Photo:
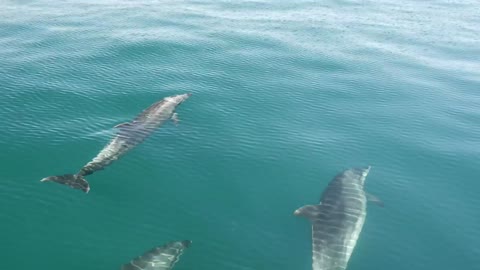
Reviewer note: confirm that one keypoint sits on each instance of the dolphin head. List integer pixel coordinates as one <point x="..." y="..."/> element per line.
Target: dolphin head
<point x="178" y="99"/>
<point x="357" y="175"/>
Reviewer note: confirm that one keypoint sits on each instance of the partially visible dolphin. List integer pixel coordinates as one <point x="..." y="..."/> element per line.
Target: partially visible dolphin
<point x="338" y="219"/>
<point x="159" y="258"/>
<point x="128" y="136"/>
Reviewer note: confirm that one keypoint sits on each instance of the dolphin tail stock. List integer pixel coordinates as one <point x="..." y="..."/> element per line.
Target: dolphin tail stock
<point x="75" y="181"/>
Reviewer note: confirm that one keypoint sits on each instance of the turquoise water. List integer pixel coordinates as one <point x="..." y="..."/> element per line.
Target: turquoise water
<point x="285" y="95"/>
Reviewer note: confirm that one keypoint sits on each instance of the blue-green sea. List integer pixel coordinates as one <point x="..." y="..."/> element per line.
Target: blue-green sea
<point x="285" y="95"/>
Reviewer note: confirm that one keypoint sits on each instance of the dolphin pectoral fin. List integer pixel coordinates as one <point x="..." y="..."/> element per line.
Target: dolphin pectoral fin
<point x="308" y="211"/>
<point x="374" y="199"/>
<point x="126" y="124"/>
<point x="175" y="119"/>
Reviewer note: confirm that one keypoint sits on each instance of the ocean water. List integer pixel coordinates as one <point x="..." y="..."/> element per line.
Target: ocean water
<point x="285" y="94"/>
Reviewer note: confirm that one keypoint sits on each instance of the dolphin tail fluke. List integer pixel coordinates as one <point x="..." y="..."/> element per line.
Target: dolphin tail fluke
<point x="75" y="181"/>
<point x="159" y="258"/>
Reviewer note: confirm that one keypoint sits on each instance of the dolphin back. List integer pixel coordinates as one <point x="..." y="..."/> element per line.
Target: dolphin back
<point x="337" y="220"/>
<point x="159" y="258"/>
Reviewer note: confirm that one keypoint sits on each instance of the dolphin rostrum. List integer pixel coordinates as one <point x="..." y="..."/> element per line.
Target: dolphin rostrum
<point x="159" y="258"/>
<point x="128" y="136"/>
<point x="338" y="219"/>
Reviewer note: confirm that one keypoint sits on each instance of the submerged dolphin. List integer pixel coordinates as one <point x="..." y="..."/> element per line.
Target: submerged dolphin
<point x="159" y="258"/>
<point x="338" y="219"/>
<point x="128" y="136"/>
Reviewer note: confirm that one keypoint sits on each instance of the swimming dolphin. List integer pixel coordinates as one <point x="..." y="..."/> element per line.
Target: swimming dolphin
<point x="128" y="136"/>
<point x="159" y="258"/>
<point x="338" y="219"/>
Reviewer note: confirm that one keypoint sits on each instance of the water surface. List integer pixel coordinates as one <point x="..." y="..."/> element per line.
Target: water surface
<point x="285" y="95"/>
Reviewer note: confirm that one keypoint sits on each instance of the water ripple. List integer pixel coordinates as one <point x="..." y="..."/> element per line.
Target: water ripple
<point x="284" y="96"/>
